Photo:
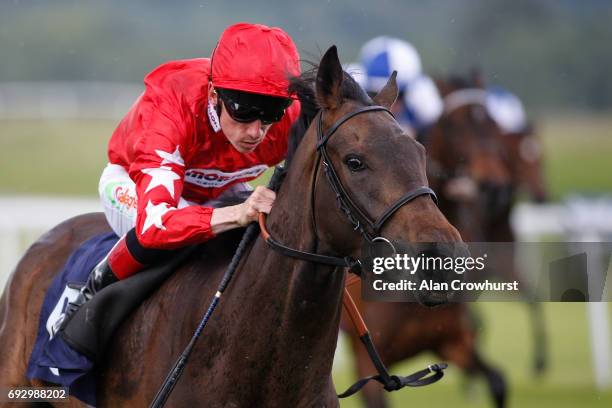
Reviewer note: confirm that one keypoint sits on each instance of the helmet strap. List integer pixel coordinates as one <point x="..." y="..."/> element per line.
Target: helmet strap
<point x="214" y="112"/>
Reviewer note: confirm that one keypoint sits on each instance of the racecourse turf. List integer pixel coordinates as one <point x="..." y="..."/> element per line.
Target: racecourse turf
<point x="66" y="157"/>
<point x="506" y="342"/>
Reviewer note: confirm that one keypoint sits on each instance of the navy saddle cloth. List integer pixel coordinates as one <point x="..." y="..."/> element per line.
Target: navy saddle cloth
<point x="68" y="358"/>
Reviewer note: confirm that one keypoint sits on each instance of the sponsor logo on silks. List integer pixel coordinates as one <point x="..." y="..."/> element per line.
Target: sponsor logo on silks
<point x="126" y="200"/>
<point x="118" y="194"/>
<point x="109" y="192"/>
<point x="208" y="178"/>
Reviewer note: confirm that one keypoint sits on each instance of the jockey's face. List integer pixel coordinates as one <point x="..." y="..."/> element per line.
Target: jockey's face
<point x="245" y="137"/>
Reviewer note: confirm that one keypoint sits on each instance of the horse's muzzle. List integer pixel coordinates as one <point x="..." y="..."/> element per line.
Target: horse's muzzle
<point x="436" y="273"/>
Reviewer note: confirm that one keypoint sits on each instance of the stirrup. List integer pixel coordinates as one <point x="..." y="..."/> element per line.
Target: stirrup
<point x="100" y="277"/>
<point x="71" y="309"/>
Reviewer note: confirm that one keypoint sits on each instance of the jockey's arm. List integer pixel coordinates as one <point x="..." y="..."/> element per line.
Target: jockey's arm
<point x="159" y="172"/>
<point x="241" y="215"/>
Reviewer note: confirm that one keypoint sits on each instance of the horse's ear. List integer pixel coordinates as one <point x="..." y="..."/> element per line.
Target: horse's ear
<point x="388" y="95"/>
<point x="329" y="80"/>
<point x="477" y="78"/>
<point x="442" y="86"/>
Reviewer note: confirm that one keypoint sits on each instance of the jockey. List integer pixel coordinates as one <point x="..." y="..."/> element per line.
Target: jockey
<point x="506" y="109"/>
<point x="419" y="103"/>
<point x="180" y="159"/>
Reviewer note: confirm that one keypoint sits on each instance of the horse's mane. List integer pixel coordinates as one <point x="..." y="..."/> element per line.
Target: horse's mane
<point x="462" y="81"/>
<point x="459" y="82"/>
<point x="304" y="87"/>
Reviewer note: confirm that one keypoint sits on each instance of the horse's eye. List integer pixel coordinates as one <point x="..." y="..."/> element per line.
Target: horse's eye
<point x="354" y="163"/>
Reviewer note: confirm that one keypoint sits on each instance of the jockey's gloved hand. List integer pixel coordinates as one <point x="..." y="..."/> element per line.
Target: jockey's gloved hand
<point x="259" y="202"/>
<point x="241" y="215"/>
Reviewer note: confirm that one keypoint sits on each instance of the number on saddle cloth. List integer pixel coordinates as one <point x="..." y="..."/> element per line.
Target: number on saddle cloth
<point x="68" y="357"/>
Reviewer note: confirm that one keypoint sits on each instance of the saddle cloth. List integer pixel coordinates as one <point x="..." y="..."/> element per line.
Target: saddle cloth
<point x="68" y="358"/>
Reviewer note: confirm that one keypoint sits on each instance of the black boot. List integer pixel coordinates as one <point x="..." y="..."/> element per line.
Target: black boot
<point x="100" y="277"/>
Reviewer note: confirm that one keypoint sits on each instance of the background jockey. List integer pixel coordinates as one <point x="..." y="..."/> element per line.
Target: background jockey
<point x="506" y="109"/>
<point x="419" y="103"/>
<point x="180" y="159"/>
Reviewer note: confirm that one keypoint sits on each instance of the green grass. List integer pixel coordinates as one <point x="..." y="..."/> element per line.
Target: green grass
<point x="506" y="342"/>
<point x="66" y="157"/>
<point x="578" y="153"/>
<point x="52" y="157"/>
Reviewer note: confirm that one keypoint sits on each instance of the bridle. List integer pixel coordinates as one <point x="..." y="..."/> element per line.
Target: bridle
<point x="370" y="231"/>
<point x="359" y="219"/>
<point x="368" y="227"/>
<point x="348" y="206"/>
<point x="466" y="96"/>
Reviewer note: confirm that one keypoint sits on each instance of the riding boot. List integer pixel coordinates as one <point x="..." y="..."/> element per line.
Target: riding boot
<point x="118" y="264"/>
<point x="100" y="277"/>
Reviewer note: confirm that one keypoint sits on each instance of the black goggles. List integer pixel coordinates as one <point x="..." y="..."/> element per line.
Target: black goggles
<point x="246" y="107"/>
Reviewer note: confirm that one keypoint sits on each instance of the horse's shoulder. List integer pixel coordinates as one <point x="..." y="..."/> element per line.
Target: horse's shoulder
<point x="203" y="269"/>
<point x="176" y="306"/>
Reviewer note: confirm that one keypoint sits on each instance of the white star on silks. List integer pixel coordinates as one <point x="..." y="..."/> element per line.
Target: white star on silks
<point x="162" y="176"/>
<point x="175" y="157"/>
<point x="154" y="215"/>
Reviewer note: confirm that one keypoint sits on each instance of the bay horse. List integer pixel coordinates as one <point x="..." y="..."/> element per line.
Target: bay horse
<point x="527" y="164"/>
<point x="467" y="147"/>
<point x="476" y="169"/>
<point x="470" y="162"/>
<point x="404" y="330"/>
<point x="272" y="340"/>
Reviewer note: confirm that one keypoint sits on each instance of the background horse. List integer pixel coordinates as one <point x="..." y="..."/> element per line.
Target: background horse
<point x="527" y="163"/>
<point x="470" y="164"/>
<point x="478" y="171"/>
<point x="272" y="340"/>
<point x="486" y="169"/>
<point x="404" y="330"/>
<point x="466" y="150"/>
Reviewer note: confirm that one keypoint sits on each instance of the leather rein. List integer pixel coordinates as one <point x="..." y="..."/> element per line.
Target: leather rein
<point x="359" y="219"/>
<point x="370" y="231"/>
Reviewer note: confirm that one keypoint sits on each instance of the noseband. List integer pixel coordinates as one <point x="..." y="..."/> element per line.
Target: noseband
<point x="369" y="228"/>
<point x="359" y="219"/>
<point x="390" y="382"/>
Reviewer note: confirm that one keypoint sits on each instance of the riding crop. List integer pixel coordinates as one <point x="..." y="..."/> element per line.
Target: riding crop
<point x="177" y="370"/>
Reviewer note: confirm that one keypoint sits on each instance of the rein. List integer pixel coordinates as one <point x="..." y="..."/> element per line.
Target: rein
<point x="360" y="220"/>
<point x="390" y="382"/>
<point x="367" y="228"/>
<point x="352" y="264"/>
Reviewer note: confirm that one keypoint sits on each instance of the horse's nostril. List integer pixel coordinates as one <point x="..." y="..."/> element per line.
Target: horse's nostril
<point x="437" y="272"/>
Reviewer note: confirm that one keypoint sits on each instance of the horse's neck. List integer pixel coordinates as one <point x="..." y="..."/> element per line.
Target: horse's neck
<point x="300" y="305"/>
<point x="296" y="304"/>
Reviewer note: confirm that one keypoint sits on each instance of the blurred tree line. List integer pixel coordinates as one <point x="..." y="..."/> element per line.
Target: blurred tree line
<point x="555" y="54"/>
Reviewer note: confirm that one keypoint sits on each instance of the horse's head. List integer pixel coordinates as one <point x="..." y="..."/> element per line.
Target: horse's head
<point x="526" y="157"/>
<point x="468" y="133"/>
<point x="471" y="164"/>
<point x="364" y="174"/>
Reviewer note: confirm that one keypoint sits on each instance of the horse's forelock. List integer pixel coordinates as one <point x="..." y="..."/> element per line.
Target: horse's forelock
<point x="303" y="86"/>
